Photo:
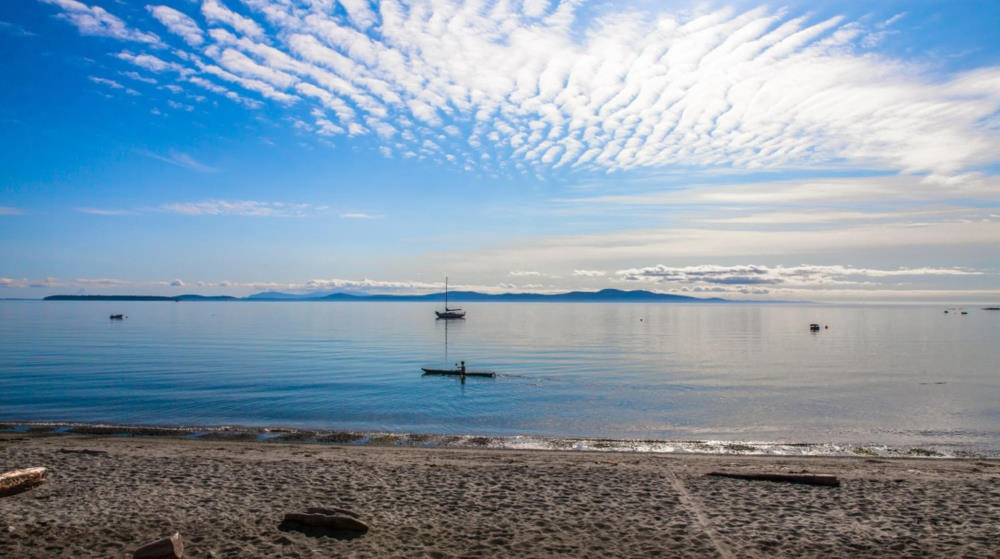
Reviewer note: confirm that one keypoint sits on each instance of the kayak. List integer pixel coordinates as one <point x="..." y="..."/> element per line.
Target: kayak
<point x="457" y="372"/>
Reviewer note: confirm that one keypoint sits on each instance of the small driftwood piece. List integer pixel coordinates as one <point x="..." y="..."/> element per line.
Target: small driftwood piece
<point x="166" y="548"/>
<point x="826" y="480"/>
<point x="16" y="481"/>
<point x="338" y="521"/>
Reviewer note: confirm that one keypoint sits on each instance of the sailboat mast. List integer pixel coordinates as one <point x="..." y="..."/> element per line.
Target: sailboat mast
<point x="446" y="293"/>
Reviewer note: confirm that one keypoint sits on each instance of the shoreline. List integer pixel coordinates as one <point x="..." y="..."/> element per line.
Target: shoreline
<point x="107" y="495"/>
<point x="277" y="434"/>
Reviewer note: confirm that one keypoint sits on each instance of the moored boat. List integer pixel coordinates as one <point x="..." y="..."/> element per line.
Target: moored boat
<point x="449" y="313"/>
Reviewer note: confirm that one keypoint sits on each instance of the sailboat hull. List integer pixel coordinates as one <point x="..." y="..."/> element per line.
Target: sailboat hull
<point x="450" y="314"/>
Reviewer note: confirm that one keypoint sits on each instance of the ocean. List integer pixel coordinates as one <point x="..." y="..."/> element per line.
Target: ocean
<point x="661" y="376"/>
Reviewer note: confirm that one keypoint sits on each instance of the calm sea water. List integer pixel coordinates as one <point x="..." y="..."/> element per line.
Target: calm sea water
<point x="878" y="375"/>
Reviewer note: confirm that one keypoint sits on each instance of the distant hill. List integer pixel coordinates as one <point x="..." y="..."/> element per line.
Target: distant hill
<point x="275" y="296"/>
<point x="602" y="296"/>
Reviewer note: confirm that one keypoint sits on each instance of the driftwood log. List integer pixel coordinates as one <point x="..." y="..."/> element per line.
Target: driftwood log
<point x="166" y="548"/>
<point x="336" y="521"/>
<point x="16" y="481"/>
<point x="807" y="479"/>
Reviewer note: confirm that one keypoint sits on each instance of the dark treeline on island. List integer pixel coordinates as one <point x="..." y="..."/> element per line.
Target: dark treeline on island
<point x="140" y="298"/>
<point x="109" y="298"/>
<point x="604" y="295"/>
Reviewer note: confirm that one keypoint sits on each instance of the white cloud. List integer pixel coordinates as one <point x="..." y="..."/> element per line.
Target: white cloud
<point x="181" y="160"/>
<point x="589" y="273"/>
<point x="366" y="283"/>
<point x="95" y="20"/>
<point x="263" y="88"/>
<point x="811" y="200"/>
<point x="94" y="282"/>
<point x="179" y="24"/>
<point x="104" y="81"/>
<point x="241" y="64"/>
<point x="546" y="84"/>
<point x="138" y="77"/>
<point x="535" y="8"/>
<point x="796" y="276"/>
<point x="152" y="63"/>
<point x="360" y="12"/>
<point x="103" y="211"/>
<point x="214" y="11"/>
<point x="325" y="127"/>
<point x="249" y="208"/>
<point x="627" y="249"/>
<point x="524" y="274"/>
<point x="188" y="162"/>
<point x="359" y="215"/>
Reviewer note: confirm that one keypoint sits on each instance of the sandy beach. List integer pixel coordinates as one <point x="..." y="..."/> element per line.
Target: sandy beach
<point x="105" y="496"/>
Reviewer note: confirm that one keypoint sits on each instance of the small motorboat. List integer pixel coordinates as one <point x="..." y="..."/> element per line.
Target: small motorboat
<point x="117" y="317"/>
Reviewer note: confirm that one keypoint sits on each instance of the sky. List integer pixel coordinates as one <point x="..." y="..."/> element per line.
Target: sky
<point x="835" y="151"/>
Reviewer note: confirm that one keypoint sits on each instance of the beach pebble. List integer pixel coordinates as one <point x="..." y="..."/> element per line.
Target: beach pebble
<point x="166" y="548"/>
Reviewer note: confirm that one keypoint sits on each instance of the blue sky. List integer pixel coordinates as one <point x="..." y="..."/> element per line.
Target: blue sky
<point x="847" y="152"/>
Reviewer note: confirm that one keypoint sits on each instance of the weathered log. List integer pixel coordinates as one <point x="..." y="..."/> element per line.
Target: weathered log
<point x="340" y="522"/>
<point x="332" y="511"/>
<point x="166" y="548"/>
<point x="16" y="481"/>
<point x="826" y="480"/>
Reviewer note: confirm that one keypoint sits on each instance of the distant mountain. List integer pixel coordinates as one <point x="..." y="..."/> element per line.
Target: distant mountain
<point x="604" y="295"/>
<point x="281" y="296"/>
<point x="274" y="296"/>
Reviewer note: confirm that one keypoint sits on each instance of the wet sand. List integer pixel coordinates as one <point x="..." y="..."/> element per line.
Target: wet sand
<point x="105" y="496"/>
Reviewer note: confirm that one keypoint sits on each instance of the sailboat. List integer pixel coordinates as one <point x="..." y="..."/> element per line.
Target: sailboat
<point x="449" y="312"/>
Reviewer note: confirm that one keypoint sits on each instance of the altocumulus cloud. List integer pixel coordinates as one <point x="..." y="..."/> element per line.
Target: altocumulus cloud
<point x="786" y="276"/>
<point x="95" y="20"/>
<point x="541" y="85"/>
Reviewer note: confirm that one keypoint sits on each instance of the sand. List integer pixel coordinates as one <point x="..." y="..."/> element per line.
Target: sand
<point x="105" y="496"/>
